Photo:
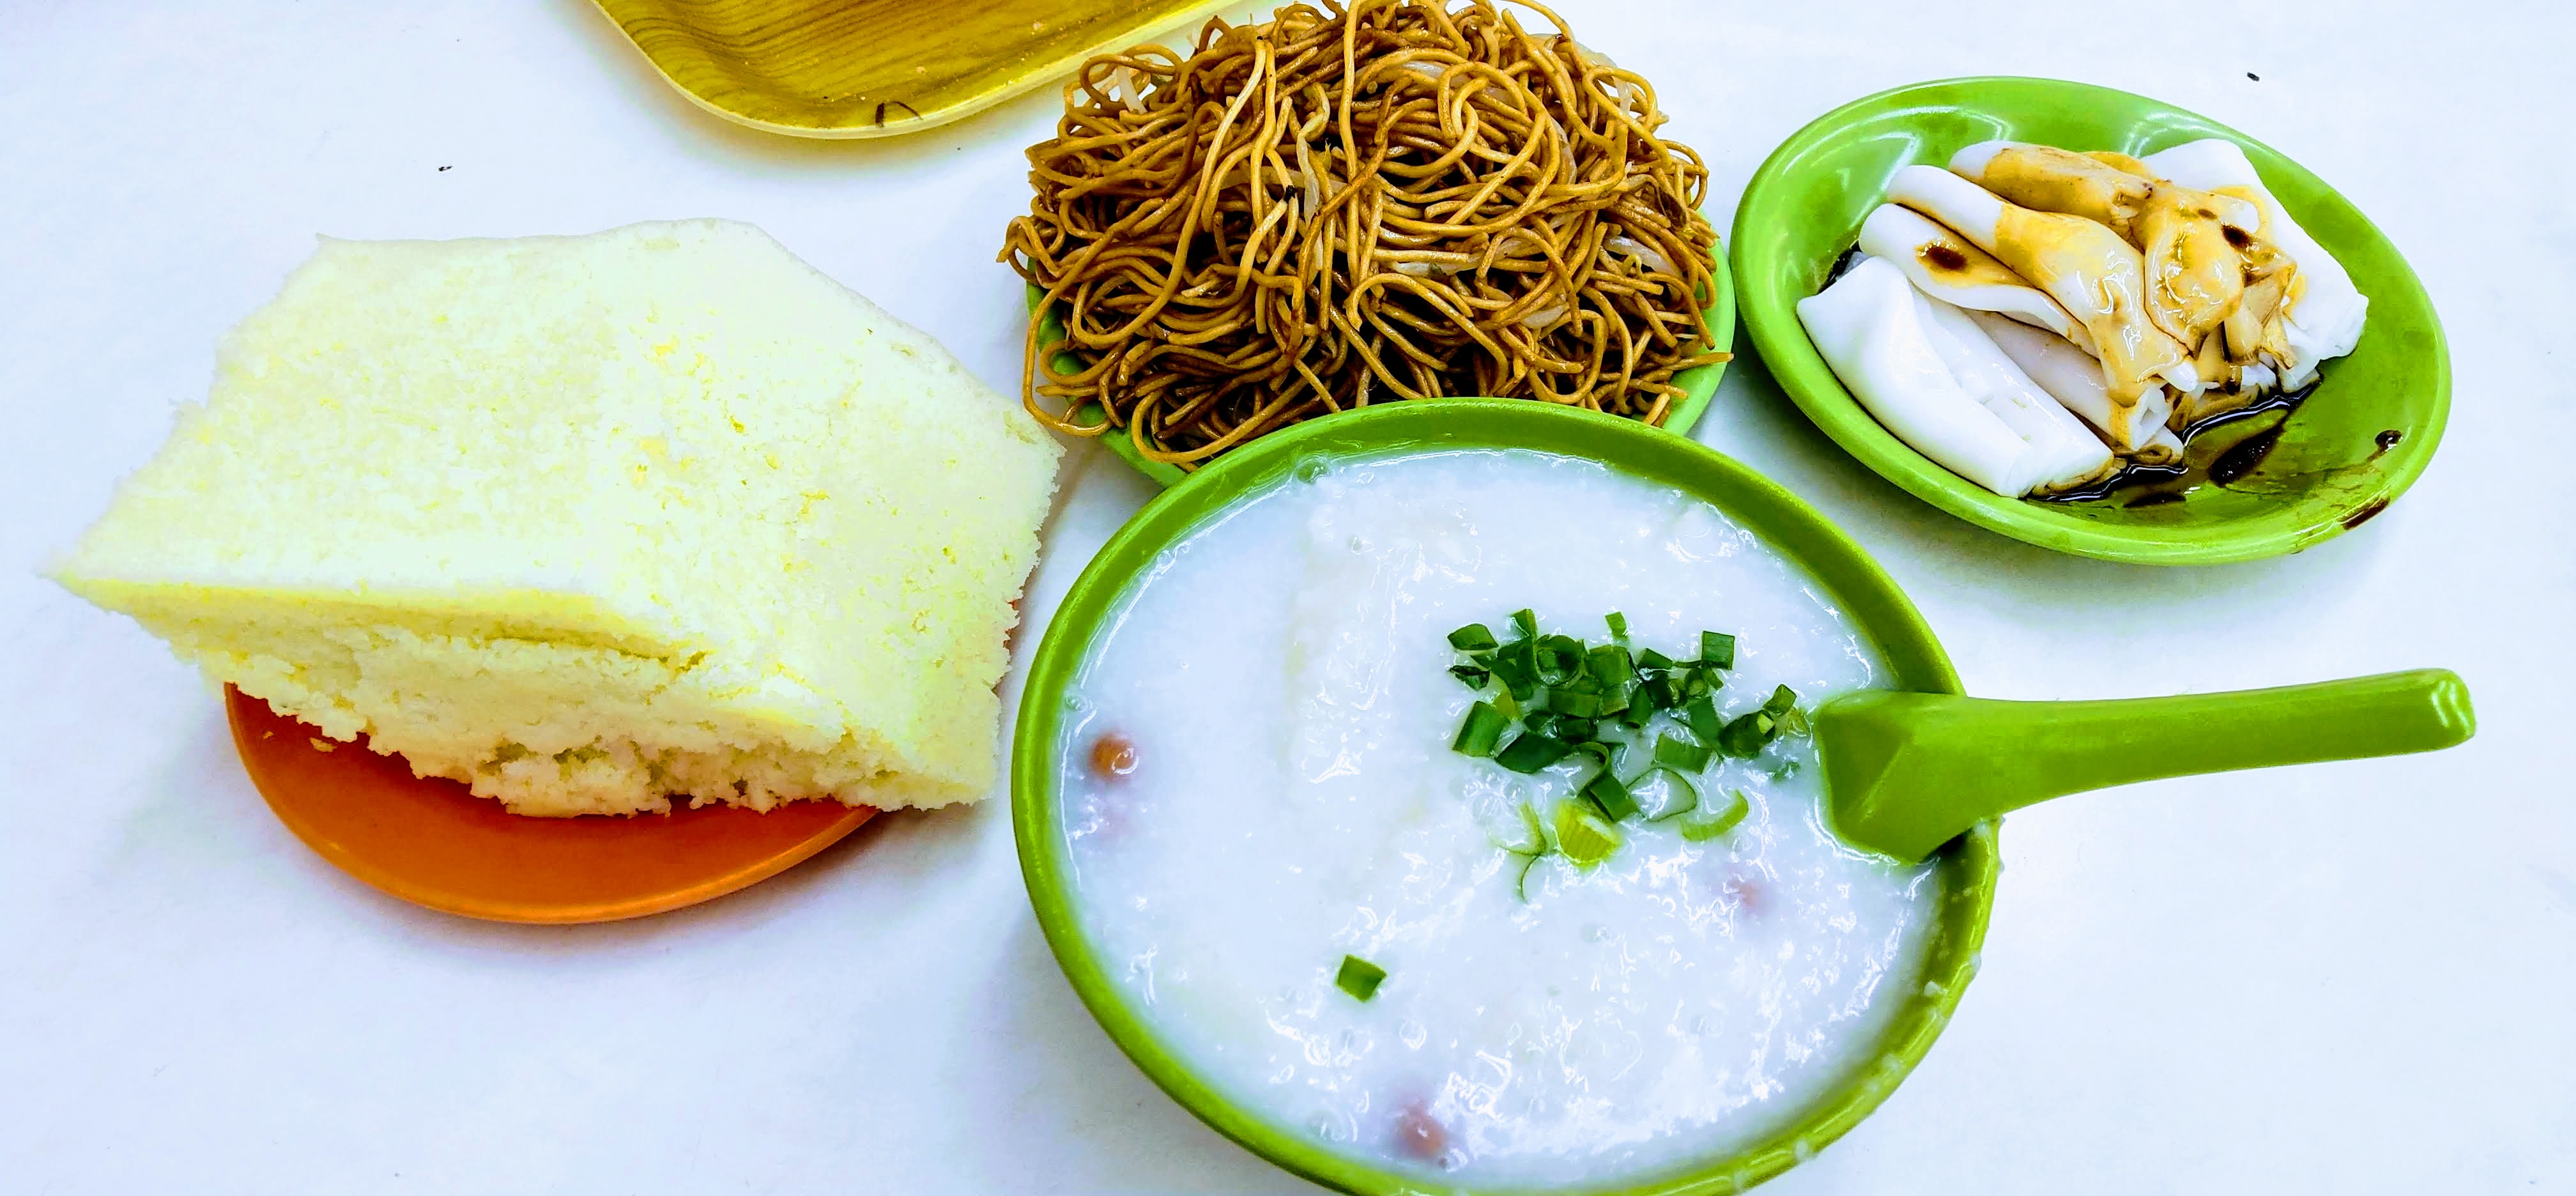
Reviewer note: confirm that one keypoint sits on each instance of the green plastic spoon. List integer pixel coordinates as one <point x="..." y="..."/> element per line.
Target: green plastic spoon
<point x="1908" y="772"/>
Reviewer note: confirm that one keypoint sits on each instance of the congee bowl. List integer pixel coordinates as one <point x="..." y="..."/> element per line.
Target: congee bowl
<point x="1965" y="869"/>
<point x="2363" y="435"/>
<point x="1698" y="384"/>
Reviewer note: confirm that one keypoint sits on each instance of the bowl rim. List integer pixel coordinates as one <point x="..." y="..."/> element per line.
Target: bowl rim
<point x="1872" y="600"/>
<point x="1771" y="324"/>
<point x="1698" y="383"/>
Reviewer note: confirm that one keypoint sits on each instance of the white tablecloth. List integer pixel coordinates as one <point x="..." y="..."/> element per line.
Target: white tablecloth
<point x="2346" y="978"/>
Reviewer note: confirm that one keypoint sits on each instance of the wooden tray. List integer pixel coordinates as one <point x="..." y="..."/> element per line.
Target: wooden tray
<point x="876" y="68"/>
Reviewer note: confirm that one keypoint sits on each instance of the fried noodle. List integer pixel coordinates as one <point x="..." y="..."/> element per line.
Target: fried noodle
<point x="1343" y="206"/>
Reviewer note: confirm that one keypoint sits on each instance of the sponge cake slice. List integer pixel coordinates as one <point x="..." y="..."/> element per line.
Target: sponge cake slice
<point x="590" y="522"/>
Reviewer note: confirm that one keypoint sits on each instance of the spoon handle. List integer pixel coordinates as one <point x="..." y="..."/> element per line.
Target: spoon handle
<point x="1921" y="768"/>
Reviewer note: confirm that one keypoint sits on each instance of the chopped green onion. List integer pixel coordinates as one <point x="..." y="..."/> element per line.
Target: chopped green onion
<point x="1701" y="830"/>
<point x="1784" y="710"/>
<point x="1606" y="792"/>
<point x="1560" y="659"/>
<point x="1701" y="714"/>
<point x="1359" y="977"/>
<point x="1532" y="751"/>
<point x="1717" y="649"/>
<point x="1679" y="756"/>
<point x="1482" y="731"/>
<point x="1532" y="839"/>
<point x="1517" y="666"/>
<point x="1545" y="846"/>
<point x="1673" y="809"/>
<point x="1583" y="835"/>
<point x="1655" y="692"/>
<point x="1610" y="666"/>
<point x="1748" y="735"/>
<point x="1562" y="695"/>
<point x="1570" y="728"/>
<point x="1574" y="703"/>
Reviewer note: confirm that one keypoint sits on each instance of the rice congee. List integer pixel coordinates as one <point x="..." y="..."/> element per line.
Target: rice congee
<point x="1455" y="810"/>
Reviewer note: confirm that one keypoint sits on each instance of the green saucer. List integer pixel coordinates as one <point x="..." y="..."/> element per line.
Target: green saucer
<point x="2362" y="436"/>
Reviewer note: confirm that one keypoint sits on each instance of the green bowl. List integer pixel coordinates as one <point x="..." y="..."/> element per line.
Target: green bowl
<point x="1697" y="383"/>
<point x="1967" y="867"/>
<point x="2327" y="473"/>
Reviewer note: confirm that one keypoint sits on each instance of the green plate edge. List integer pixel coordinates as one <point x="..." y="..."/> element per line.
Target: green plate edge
<point x="1803" y="209"/>
<point x="1699" y="383"/>
<point x="1968" y="866"/>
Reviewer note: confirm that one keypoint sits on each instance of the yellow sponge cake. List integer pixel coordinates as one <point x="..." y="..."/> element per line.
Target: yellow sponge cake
<point x="593" y="522"/>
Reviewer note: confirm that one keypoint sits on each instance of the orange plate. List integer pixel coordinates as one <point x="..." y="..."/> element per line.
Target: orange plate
<point x="432" y="843"/>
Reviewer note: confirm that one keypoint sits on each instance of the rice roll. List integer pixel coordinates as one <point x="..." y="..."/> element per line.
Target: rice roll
<point x="2322" y="311"/>
<point x="1946" y="266"/>
<point x="2091" y="185"/>
<point x="1930" y="375"/>
<point x="2048" y="179"/>
<point x="2118" y="161"/>
<point x="2063" y="452"/>
<point x="2074" y="379"/>
<point x="2196" y="268"/>
<point x="2096" y="276"/>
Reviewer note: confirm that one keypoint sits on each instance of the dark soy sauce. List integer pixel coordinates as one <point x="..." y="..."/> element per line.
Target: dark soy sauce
<point x="1843" y="265"/>
<point x="2242" y="457"/>
<point x="2219" y="450"/>
<point x="2363" y="514"/>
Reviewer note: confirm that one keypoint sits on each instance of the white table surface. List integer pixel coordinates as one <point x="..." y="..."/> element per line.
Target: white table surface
<point x="2343" y="978"/>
